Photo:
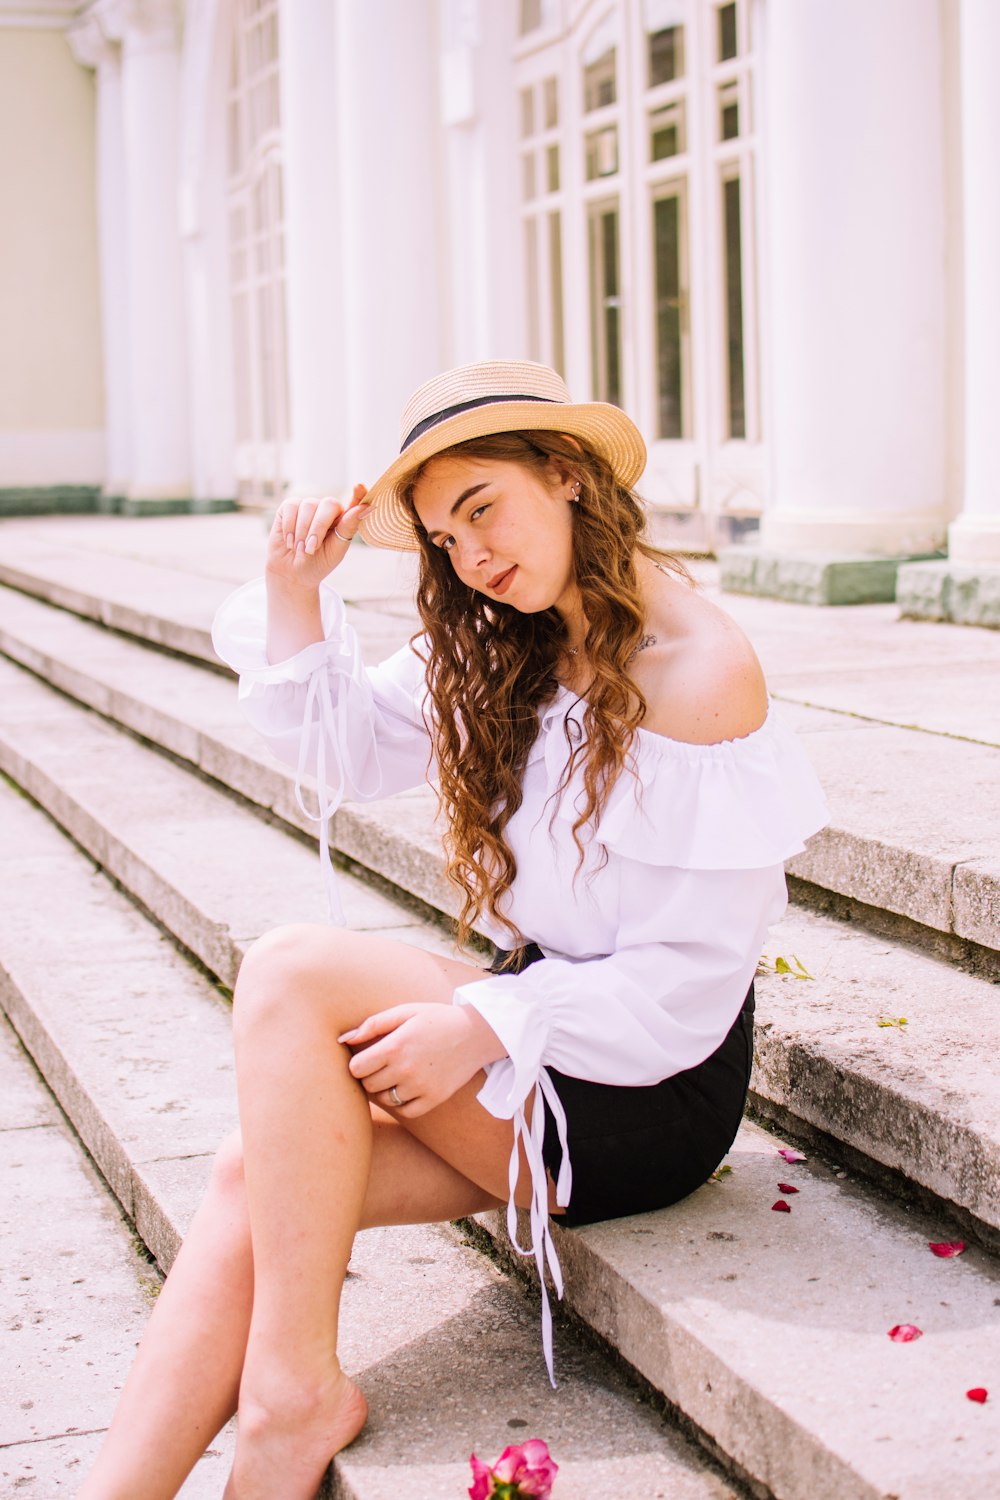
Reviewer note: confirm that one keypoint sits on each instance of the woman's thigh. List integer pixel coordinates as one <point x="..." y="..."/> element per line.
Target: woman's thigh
<point x="352" y="975"/>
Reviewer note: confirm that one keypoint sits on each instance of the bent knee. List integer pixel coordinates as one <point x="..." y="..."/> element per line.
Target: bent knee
<point x="296" y="965"/>
<point x="227" y="1167"/>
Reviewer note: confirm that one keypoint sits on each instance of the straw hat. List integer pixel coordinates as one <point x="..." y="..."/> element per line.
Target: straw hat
<point x="495" y="396"/>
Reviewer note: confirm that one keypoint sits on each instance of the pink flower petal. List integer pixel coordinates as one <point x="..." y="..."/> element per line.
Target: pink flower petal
<point x="947" y="1248"/>
<point x="978" y="1393"/>
<point x="481" y="1485"/>
<point x="781" y="1207"/>
<point x="905" y="1333"/>
<point x="786" y="1187"/>
<point x="790" y="1155"/>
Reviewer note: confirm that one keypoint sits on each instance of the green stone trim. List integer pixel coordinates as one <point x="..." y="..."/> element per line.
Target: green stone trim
<point x="961" y="593"/>
<point x="121" y="505"/>
<point x="810" y="577"/>
<point x="50" y="500"/>
<point x="87" y="499"/>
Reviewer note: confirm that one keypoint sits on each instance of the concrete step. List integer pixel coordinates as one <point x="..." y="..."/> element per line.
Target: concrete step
<point x="920" y="1104"/>
<point x="170" y="600"/>
<point x="134" y="1043"/>
<point x="894" y="846"/>
<point x="767" y="1331"/>
<point x="74" y="1296"/>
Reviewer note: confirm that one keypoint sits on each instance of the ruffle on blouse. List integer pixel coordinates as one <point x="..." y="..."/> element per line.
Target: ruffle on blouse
<point x="743" y="804"/>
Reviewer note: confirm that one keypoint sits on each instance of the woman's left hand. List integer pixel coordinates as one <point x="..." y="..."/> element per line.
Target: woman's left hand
<point x="425" y="1052"/>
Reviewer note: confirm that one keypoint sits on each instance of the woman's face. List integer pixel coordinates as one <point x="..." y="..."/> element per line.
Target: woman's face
<point x="507" y="529"/>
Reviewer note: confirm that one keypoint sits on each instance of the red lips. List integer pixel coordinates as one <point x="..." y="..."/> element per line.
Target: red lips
<point x="501" y="582"/>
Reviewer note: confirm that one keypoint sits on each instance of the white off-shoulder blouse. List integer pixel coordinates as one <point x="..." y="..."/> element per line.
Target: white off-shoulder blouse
<point x="649" y="947"/>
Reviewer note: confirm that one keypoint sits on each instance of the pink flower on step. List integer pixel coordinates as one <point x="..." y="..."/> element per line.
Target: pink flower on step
<point x="978" y="1393"/>
<point x="522" y="1472"/>
<point x="790" y="1155"/>
<point x="905" y="1333"/>
<point x="947" y="1248"/>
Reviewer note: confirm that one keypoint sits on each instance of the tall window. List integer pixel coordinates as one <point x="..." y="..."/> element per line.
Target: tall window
<point x="602" y="125"/>
<point x="542" y="211"/>
<point x="256" y="247"/>
<point x="667" y="107"/>
<point x="638" y="219"/>
<point x="732" y="126"/>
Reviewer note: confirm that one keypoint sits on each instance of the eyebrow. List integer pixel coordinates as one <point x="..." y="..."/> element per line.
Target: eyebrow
<point x="465" y="495"/>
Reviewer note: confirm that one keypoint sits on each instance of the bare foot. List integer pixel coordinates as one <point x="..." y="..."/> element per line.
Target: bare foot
<point x="282" y="1449"/>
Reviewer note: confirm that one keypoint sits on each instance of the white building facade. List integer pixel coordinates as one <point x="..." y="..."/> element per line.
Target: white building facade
<point x="767" y="228"/>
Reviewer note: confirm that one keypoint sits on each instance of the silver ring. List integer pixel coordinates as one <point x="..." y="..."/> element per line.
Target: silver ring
<point x="394" y="1098"/>
<point x="342" y="538"/>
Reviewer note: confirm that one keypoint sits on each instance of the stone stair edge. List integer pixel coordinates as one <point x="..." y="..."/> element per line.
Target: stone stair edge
<point x="828" y="1087"/>
<point x="958" y="897"/>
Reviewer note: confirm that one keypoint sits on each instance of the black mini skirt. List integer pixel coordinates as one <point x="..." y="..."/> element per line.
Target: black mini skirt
<point x="638" y="1149"/>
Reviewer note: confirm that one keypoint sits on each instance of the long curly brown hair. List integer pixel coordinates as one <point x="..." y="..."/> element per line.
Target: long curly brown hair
<point x="491" y="668"/>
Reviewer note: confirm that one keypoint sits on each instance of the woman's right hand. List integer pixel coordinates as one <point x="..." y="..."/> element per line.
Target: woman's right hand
<point x="310" y="538"/>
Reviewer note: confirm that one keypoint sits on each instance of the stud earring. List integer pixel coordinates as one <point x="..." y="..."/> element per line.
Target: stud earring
<point x="575" y="492"/>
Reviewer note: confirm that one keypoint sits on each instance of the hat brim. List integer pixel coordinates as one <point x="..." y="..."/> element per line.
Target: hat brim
<point x="601" y="427"/>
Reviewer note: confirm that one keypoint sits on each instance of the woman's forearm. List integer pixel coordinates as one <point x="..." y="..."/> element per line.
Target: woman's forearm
<point x="294" y="620"/>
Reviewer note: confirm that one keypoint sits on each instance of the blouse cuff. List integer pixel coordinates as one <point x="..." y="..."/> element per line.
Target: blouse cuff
<point x="521" y="1026"/>
<point x="239" y="636"/>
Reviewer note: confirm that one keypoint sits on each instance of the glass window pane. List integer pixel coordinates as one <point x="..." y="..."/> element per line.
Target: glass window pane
<point x="527" y="112"/>
<point x="528" y="176"/>
<point x="531" y="15"/>
<point x="605" y="304"/>
<point x="556" y="293"/>
<point x="734" y="306"/>
<point x="550" y="91"/>
<point x="667" y="261"/>
<point x="729" y="112"/>
<point x="727" y="32"/>
<point x="601" y="153"/>
<point x="599" y="86"/>
<point x="552" y="169"/>
<point x="666" y="55"/>
<point x="531" y="285"/>
<point x="666" y="132"/>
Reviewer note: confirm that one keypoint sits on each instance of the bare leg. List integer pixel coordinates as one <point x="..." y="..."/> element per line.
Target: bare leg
<point x="184" y="1382"/>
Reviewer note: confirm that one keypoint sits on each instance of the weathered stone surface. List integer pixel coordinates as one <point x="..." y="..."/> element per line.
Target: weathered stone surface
<point x="134" y="1043"/>
<point x="769" y="1330"/>
<point x="963" y="593"/>
<point x="894" y="841"/>
<point x="74" y="1298"/>
<point x="921" y="1099"/>
<point x="808" y="577"/>
<point x="977" y="901"/>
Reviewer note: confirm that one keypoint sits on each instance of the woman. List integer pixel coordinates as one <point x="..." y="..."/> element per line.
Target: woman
<point x="619" y="805"/>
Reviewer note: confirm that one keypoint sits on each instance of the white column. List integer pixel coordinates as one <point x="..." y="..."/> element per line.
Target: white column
<point x="92" y="48"/>
<point x="319" y="371"/>
<point x="204" y="76"/>
<point x="854" y="235"/>
<point x="975" y="536"/>
<point x="389" y="225"/>
<point x="158" y="416"/>
<point x="483" y="245"/>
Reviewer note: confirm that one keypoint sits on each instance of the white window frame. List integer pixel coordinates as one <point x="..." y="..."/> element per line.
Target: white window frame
<point x="705" y="470"/>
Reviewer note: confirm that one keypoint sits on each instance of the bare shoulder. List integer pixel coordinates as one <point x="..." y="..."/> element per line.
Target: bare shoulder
<point x="696" y="669"/>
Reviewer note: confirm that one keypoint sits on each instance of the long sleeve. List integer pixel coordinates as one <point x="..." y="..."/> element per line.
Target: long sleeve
<point x="323" y="703"/>
<point x="360" y="732"/>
